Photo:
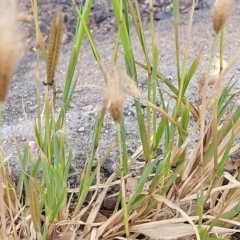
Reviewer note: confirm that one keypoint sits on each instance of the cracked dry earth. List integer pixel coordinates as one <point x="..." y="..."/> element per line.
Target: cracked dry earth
<point x="20" y="107"/>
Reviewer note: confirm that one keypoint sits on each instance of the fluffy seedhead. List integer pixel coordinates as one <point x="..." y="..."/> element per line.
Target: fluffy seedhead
<point x="119" y="85"/>
<point x="113" y="94"/>
<point x="54" y="46"/>
<point x="221" y="12"/>
<point x="10" y="44"/>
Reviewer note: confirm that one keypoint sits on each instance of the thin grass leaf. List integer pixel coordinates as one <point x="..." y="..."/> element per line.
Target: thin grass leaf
<point x="225" y="100"/>
<point x="79" y="34"/>
<point x="162" y="78"/>
<point x="87" y="32"/>
<point x="176" y="20"/>
<point x="160" y="172"/>
<point x="24" y="159"/>
<point x="191" y="72"/>
<point x="39" y="37"/>
<point x="131" y="69"/>
<point x="123" y="146"/>
<point x="87" y="181"/>
<point x="225" y="156"/>
<point x="158" y="136"/>
<point x="58" y="205"/>
<point x="142" y="181"/>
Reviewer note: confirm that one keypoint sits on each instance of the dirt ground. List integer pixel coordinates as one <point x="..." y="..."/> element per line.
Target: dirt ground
<point x="21" y="100"/>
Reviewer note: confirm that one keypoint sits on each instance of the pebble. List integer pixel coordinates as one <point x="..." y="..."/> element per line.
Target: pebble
<point x="159" y="152"/>
<point x="108" y="166"/>
<point x="31" y="144"/>
<point x="65" y="38"/>
<point x="202" y="5"/>
<point x="87" y="108"/>
<point x="128" y="112"/>
<point x="109" y="203"/>
<point x="81" y="129"/>
<point x="161" y="16"/>
<point x="66" y="1"/>
<point x="100" y="16"/>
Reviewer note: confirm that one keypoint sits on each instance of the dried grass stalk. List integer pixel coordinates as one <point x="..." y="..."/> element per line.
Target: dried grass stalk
<point x="10" y="44"/>
<point x="54" y="45"/>
<point x="221" y="12"/>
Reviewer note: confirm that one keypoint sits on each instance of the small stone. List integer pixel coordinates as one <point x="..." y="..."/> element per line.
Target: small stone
<point x="32" y="109"/>
<point x="65" y="38"/>
<point x="68" y="1"/>
<point x="161" y="16"/>
<point x="31" y="144"/>
<point x="87" y="108"/>
<point x="159" y="152"/>
<point x="109" y="203"/>
<point x="202" y="5"/>
<point x="108" y="166"/>
<point x="81" y="129"/>
<point x="62" y="1"/>
<point x="127" y="112"/>
<point x="100" y="16"/>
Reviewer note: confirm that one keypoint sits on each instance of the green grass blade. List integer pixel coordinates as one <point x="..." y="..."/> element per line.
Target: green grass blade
<point x="142" y="181"/>
<point x="76" y="49"/>
<point x="191" y="72"/>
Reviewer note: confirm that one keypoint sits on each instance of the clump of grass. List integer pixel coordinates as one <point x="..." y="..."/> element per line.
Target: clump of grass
<point x="187" y="183"/>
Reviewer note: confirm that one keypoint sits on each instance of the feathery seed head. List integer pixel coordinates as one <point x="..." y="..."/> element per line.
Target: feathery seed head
<point x="11" y="48"/>
<point x="221" y="12"/>
<point x="129" y="86"/>
<point x="113" y="94"/>
<point x="119" y="85"/>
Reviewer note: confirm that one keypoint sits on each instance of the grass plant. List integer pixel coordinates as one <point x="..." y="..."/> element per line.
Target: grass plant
<point x="183" y="192"/>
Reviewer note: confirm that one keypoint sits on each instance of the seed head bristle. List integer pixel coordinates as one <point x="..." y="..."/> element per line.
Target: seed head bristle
<point x="11" y="48"/>
<point x="119" y="85"/>
<point x="54" y="45"/>
<point x="221" y="11"/>
<point x="129" y="86"/>
<point x="113" y="94"/>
